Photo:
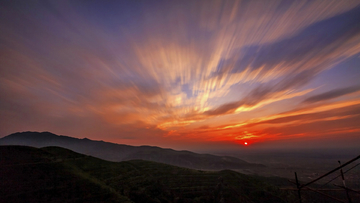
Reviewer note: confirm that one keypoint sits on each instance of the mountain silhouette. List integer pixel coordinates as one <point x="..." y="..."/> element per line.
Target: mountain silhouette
<point x="120" y="152"/>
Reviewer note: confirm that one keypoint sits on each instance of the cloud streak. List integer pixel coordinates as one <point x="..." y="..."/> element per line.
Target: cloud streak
<point x="332" y="94"/>
<point x="264" y="92"/>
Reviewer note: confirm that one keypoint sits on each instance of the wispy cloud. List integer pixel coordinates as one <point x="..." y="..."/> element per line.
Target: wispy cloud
<point x="332" y="94"/>
<point x="264" y="92"/>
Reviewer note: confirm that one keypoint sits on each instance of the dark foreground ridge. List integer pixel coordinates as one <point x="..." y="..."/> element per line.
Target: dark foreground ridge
<point x="119" y="152"/>
<point x="54" y="174"/>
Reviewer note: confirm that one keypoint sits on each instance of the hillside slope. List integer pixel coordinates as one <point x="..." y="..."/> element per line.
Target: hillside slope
<point x="119" y="152"/>
<point x="33" y="175"/>
<point x="54" y="174"/>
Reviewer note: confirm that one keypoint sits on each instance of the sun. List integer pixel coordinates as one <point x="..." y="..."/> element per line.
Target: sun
<point x="245" y="143"/>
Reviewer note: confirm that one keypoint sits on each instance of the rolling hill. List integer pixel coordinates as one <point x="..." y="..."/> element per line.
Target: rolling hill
<point x="119" y="152"/>
<point x="54" y="174"/>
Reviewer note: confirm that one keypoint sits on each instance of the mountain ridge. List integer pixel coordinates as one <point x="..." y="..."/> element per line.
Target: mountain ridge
<point x="55" y="174"/>
<point x="121" y="152"/>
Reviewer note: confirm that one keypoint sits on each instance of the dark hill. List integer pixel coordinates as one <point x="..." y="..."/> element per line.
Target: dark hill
<point x="54" y="174"/>
<point x="119" y="152"/>
<point x="34" y="175"/>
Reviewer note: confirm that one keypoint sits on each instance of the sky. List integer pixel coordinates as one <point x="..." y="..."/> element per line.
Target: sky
<point x="183" y="74"/>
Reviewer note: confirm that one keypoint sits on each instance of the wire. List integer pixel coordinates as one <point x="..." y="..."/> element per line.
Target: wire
<point x="340" y="175"/>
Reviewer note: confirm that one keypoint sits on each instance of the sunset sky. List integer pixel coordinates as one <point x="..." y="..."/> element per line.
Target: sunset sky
<point x="183" y="74"/>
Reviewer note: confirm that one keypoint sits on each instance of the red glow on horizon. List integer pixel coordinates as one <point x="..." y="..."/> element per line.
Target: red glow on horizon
<point x="245" y="143"/>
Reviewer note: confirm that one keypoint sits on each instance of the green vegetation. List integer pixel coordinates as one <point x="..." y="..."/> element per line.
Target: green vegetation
<point x="54" y="174"/>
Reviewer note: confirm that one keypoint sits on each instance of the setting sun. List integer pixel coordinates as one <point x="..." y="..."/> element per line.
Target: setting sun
<point x="246" y="143"/>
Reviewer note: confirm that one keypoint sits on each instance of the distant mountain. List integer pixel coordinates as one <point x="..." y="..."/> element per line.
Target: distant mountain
<point x="119" y="152"/>
<point x="54" y="174"/>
